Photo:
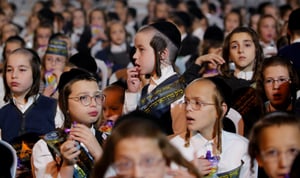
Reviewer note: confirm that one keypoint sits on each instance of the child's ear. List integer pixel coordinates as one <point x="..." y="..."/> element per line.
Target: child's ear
<point x="224" y="108"/>
<point x="164" y="54"/>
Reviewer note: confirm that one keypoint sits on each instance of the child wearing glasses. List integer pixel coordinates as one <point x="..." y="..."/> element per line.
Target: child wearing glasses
<point x="274" y="143"/>
<point x="214" y="151"/>
<point x="53" y="65"/>
<point x="277" y="84"/>
<point x="27" y="114"/>
<point x="71" y="151"/>
<point x="138" y="148"/>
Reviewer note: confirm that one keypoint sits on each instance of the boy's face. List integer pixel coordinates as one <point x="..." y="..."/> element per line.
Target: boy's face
<point x="278" y="147"/>
<point x="43" y="35"/>
<point x="144" y="55"/>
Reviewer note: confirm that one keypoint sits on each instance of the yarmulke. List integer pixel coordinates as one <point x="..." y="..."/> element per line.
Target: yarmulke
<point x="170" y="31"/>
<point x="213" y="33"/>
<point x="71" y="75"/>
<point x="85" y="61"/>
<point x="185" y="18"/>
<point x="57" y="47"/>
<point x="294" y="17"/>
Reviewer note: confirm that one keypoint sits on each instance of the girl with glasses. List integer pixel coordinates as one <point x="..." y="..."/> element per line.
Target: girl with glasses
<point x="274" y="143"/>
<point x="277" y="84"/>
<point x="138" y="148"/>
<point x="214" y="151"/>
<point x="71" y="151"/>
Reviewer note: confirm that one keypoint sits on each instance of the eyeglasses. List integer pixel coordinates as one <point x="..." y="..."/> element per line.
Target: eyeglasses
<point x="196" y="105"/>
<point x="86" y="100"/>
<point x="281" y="80"/>
<point x="147" y="165"/>
<point x="272" y="155"/>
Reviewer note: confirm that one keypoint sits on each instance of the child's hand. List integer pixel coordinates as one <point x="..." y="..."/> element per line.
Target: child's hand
<point x="210" y="58"/>
<point x="48" y="91"/>
<point x="133" y="80"/>
<point x="83" y="134"/>
<point x="70" y="152"/>
<point x="203" y="165"/>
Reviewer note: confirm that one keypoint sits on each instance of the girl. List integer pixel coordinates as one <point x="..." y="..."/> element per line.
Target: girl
<point x="117" y="55"/>
<point x="41" y="38"/>
<point x="205" y="108"/>
<point x="242" y="48"/>
<point x="97" y="22"/>
<point x="267" y="30"/>
<point x="232" y="20"/>
<point x="138" y="148"/>
<point x="274" y="143"/>
<point x="76" y="145"/>
<point x="27" y="115"/>
<point x="277" y="84"/>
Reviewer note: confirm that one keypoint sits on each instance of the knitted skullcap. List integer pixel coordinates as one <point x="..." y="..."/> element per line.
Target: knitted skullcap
<point x="294" y="17"/>
<point x="71" y="75"/>
<point x="169" y="30"/>
<point x="57" y="47"/>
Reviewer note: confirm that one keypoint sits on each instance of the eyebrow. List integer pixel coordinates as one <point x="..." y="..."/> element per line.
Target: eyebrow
<point x="242" y="41"/>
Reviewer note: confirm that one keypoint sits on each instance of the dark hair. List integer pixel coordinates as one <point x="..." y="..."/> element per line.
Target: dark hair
<point x="258" y="51"/>
<point x="65" y="90"/>
<point x="139" y="124"/>
<point x="295" y="171"/>
<point x="277" y="61"/>
<point x="269" y="120"/>
<point x="35" y="64"/>
<point x="13" y="39"/>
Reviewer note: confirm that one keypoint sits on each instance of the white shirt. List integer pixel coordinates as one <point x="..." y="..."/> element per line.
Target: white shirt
<point x="234" y="149"/>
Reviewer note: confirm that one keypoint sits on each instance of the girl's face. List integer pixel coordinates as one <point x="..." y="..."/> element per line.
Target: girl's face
<point x="117" y="34"/>
<point x="8" y="30"/>
<point x="112" y="105"/>
<point x="43" y="35"/>
<point x="267" y="30"/>
<point x="242" y="51"/>
<point x="19" y="74"/>
<point x="10" y="47"/>
<point x="78" y="19"/>
<point x="143" y="155"/>
<point x="203" y="118"/>
<point x="144" y="55"/>
<point x="55" y="62"/>
<point x="277" y="85"/>
<point x="97" y="19"/>
<point x="80" y="113"/>
<point x="278" y="147"/>
<point x="232" y="21"/>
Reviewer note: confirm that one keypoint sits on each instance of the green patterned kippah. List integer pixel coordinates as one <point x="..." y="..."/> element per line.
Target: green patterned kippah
<point x="57" y="47"/>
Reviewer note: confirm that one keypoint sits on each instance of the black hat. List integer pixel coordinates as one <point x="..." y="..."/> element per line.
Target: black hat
<point x="170" y="31"/>
<point x="223" y="87"/>
<point x="213" y="33"/>
<point x="85" y="61"/>
<point x="185" y="18"/>
<point x="294" y="17"/>
<point x="71" y="75"/>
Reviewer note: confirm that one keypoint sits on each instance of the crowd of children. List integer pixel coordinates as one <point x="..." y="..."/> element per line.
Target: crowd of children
<point x="193" y="89"/>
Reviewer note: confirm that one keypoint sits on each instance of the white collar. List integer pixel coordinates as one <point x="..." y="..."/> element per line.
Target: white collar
<point x="166" y="72"/>
<point x="245" y="75"/>
<point x="24" y="107"/>
<point x="296" y="40"/>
